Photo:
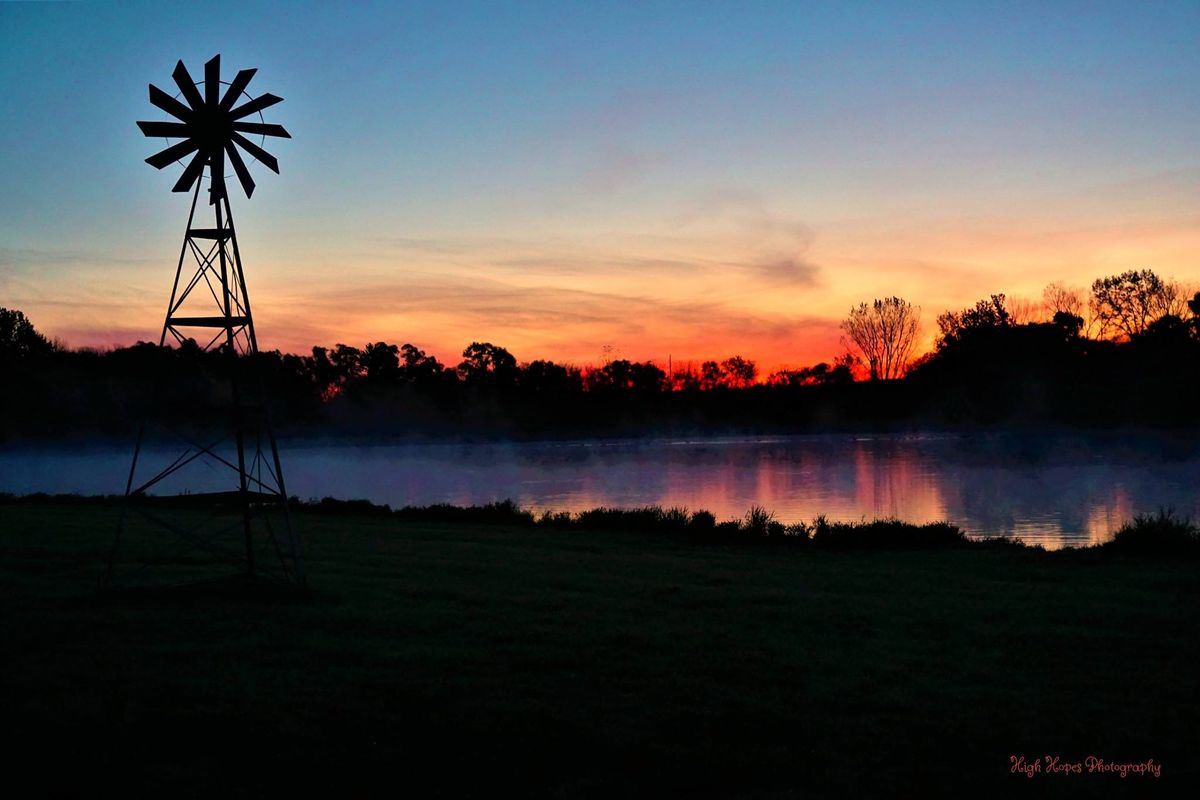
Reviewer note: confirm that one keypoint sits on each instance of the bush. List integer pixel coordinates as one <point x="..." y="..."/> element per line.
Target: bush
<point x="757" y="521"/>
<point x="675" y="519"/>
<point x="1156" y="534"/>
<point x="555" y="519"/>
<point x="798" y="532"/>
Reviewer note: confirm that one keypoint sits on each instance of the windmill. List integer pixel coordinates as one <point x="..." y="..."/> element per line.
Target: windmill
<point x="242" y="488"/>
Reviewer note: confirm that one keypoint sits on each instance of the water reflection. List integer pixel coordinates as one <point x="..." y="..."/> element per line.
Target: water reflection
<point x="1051" y="490"/>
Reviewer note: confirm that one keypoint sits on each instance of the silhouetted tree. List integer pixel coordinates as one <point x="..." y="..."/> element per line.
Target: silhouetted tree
<point x="685" y="379"/>
<point x="739" y="372"/>
<point x="381" y="362"/>
<point x="712" y="375"/>
<point x="1070" y="324"/>
<point x="417" y="366"/>
<point x="885" y="332"/>
<point x="1059" y="299"/>
<point x="18" y="338"/>
<point x="985" y="317"/>
<point x="333" y="371"/>
<point x="486" y="362"/>
<point x="624" y="375"/>
<point x="1023" y="311"/>
<point x="546" y="377"/>
<point x="1125" y="305"/>
<point x="819" y="374"/>
<point x="347" y="361"/>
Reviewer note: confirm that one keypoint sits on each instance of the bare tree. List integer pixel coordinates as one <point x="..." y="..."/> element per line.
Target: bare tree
<point x="1058" y="298"/>
<point x="885" y="332"/>
<point x="1125" y="305"/>
<point x="1024" y="311"/>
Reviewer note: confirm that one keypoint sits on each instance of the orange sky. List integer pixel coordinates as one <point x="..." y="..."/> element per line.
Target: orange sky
<point x="732" y="278"/>
<point x="633" y="180"/>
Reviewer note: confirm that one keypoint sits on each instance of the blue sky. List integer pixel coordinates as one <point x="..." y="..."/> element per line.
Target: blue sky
<point x="687" y="178"/>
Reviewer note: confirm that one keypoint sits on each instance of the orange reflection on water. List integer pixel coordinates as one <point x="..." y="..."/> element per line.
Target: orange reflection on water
<point x="1104" y="521"/>
<point x="1053" y="491"/>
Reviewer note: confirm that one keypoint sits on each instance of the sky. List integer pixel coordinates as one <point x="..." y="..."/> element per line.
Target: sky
<point x="634" y="180"/>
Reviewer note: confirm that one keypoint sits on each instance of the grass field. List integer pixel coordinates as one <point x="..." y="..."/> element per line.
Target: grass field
<point x="470" y="659"/>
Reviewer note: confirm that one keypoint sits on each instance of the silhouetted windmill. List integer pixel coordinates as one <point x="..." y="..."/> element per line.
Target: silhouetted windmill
<point x="212" y="122"/>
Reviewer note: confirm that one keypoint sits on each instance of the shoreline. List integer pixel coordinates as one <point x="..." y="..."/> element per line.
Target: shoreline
<point x="1161" y="534"/>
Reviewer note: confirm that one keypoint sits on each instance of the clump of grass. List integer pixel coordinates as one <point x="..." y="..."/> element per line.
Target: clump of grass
<point x="1008" y="543"/>
<point x="648" y="518"/>
<point x="885" y="534"/>
<point x="1156" y="534"/>
<point x="798" y="531"/>
<point x="555" y="519"/>
<point x="676" y="518"/>
<point x="505" y="512"/>
<point x="757" y="521"/>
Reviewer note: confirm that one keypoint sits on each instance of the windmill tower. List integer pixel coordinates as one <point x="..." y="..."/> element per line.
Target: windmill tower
<point x="230" y="484"/>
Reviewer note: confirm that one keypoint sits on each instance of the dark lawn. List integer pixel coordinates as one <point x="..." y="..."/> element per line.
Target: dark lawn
<point x="470" y="659"/>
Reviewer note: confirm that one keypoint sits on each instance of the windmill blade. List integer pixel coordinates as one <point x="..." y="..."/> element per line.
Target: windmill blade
<point x="236" y="87"/>
<point x="169" y="130"/>
<point x="172" y="153"/>
<point x="212" y="81"/>
<point x="239" y="166"/>
<point x="190" y="173"/>
<point x="257" y="104"/>
<point x="187" y="86"/>
<point x="250" y="147"/>
<point x="169" y="104"/>
<point x="216" y="172"/>
<point x="264" y="128"/>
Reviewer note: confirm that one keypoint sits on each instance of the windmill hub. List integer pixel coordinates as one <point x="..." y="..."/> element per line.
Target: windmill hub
<point x="210" y="128"/>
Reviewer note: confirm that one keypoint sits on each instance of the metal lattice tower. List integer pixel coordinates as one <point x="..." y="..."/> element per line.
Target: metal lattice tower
<point x="210" y="307"/>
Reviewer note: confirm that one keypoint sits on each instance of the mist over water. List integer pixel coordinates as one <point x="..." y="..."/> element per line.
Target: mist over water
<point x="1054" y="490"/>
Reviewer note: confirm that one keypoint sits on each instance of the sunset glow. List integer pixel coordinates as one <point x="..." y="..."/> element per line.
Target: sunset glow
<point x="687" y="184"/>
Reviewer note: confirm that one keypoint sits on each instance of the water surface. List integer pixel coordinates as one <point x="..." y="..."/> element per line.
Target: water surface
<point x="1052" y="490"/>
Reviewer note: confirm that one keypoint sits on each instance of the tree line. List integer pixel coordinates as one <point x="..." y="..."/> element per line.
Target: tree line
<point x="1125" y="353"/>
<point x="1119" y="307"/>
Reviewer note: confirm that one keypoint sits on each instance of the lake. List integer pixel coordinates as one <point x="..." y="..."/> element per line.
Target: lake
<point x="1053" y="490"/>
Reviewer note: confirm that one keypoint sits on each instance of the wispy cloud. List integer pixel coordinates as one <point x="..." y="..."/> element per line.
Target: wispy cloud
<point x="543" y="321"/>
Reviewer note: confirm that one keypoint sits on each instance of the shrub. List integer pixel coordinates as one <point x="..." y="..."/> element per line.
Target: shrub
<point x="676" y="518"/>
<point x="555" y="519"/>
<point x="797" y="532"/>
<point x="1156" y="534"/>
<point x="758" y="521"/>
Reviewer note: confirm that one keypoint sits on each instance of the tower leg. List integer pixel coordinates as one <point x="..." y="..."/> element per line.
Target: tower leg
<point x="293" y="544"/>
<point x="239" y="417"/>
<point x="244" y="496"/>
<point x="106" y="578"/>
<point x="219" y="271"/>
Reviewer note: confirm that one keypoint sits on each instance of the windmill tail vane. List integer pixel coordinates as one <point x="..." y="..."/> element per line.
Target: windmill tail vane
<point x="212" y="127"/>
